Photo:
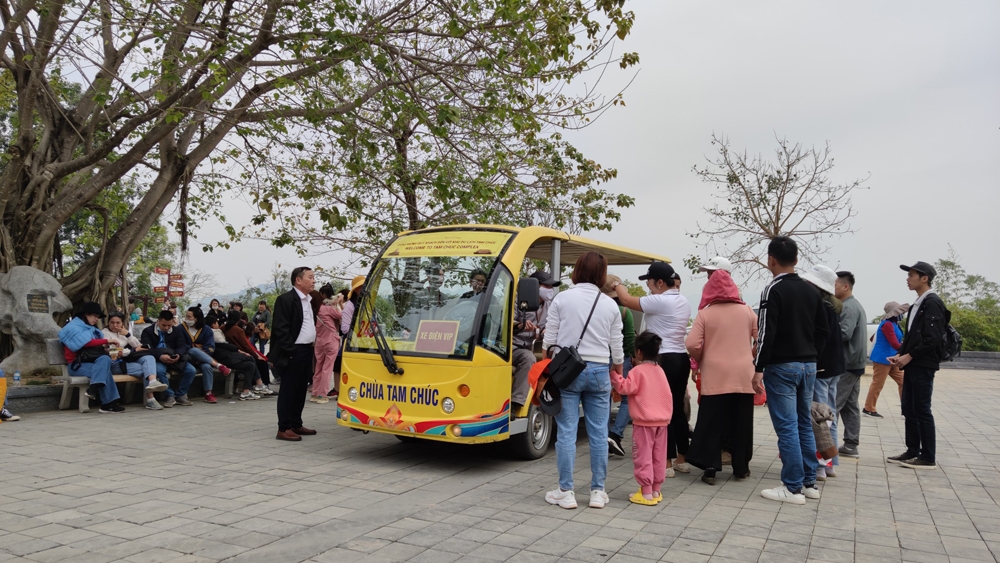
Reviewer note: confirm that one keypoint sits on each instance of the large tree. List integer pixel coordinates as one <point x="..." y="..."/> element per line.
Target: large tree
<point x="792" y="195"/>
<point x="173" y="89"/>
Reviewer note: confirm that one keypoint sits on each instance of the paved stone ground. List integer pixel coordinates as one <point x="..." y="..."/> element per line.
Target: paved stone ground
<point x="209" y="483"/>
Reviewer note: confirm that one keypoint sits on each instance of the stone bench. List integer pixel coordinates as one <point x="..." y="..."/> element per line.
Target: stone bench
<point x="54" y="350"/>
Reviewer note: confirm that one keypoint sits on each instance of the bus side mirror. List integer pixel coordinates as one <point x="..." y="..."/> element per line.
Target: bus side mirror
<point x="527" y="294"/>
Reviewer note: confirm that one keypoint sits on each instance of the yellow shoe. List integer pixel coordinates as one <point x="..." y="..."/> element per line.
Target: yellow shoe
<point x="657" y="498"/>
<point x="637" y="498"/>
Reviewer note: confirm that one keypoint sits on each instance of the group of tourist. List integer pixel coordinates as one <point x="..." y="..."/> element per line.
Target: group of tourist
<point x="806" y="347"/>
<point x="223" y="340"/>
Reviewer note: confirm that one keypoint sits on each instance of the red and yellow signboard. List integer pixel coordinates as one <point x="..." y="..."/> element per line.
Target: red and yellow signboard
<point x="160" y="289"/>
<point x="176" y="293"/>
<point x="175" y="277"/>
<point x="160" y="270"/>
<point x="159" y="300"/>
<point x="177" y="284"/>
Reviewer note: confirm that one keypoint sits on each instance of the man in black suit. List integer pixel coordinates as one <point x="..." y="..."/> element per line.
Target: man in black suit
<point x="293" y="335"/>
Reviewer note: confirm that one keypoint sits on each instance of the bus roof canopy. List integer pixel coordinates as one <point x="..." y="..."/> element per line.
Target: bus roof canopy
<point x="539" y="245"/>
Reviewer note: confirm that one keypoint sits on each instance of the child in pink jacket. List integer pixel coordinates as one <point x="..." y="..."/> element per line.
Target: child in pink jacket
<point x="650" y="406"/>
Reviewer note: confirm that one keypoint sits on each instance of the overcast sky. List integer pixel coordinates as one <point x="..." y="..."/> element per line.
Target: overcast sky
<point x="908" y="93"/>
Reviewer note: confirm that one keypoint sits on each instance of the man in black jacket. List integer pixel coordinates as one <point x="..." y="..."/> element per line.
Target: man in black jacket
<point x="792" y="333"/>
<point x="919" y="357"/>
<point x="163" y="334"/>
<point x="293" y="336"/>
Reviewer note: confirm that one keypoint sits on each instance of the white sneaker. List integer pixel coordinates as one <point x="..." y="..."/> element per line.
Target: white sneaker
<point x="782" y="494"/>
<point x="248" y="396"/>
<point x="598" y="499"/>
<point x="821" y="473"/>
<point x="152" y="405"/>
<point x="565" y="499"/>
<point x="670" y="473"/>
<point x="154" y="386"/>
<point x="682" y="467"/>
<point x="263" y="390"/>
<point x="811" y="492"/>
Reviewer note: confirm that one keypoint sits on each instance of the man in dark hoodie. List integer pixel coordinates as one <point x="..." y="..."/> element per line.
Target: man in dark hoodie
<point x="792" y="333"/>
<point x="920" y="357"/>
<point x="164" y="335"/>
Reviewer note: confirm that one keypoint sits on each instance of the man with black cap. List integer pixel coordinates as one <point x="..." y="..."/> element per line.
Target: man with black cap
<point x="528" y="327"/>
<point x="667" y="314"/>
<point x="919" y="357"/>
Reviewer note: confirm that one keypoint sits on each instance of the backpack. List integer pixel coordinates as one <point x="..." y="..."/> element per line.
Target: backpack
<point x="952" y="342"/>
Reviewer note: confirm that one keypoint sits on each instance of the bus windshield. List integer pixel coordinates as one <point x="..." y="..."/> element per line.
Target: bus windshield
<point x="430" y="305"/>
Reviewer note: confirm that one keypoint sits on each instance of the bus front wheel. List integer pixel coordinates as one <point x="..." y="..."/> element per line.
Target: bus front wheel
<point x="534" y="443"/>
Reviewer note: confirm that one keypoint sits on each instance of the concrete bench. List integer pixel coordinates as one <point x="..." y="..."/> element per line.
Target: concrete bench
<point x="54" y="350"/>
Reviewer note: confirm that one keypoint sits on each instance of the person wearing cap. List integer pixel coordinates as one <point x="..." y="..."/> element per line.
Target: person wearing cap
<point x="854" y="332"/>
<point x="830" y="364"/>
<point x="667" y="314"/>
<point x="677" y="281"/>
<point x="888" y="339"/>
<point x="80" y="333"/>
<point x="722" y="340"/>
<point x="617" y="430"/>
<point x="919" y="357"/>
<point x="716" y="264"/>
<point x="793" y="331"/>
<point x="293" y="339"/>
<point x="529" y="326"/>
<point x="567" y="325"/>
<point x="347" y="315"/>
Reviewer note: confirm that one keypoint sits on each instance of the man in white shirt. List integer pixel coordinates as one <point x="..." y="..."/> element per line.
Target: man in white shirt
<point x="666" y="314"/>
<point x="293" y="335"/>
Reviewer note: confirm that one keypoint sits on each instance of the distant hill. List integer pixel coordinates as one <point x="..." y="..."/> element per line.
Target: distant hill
<point x="225" y="299"/>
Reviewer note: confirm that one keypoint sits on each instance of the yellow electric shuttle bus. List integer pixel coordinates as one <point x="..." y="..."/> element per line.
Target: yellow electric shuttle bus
<point x="429" y="352"/>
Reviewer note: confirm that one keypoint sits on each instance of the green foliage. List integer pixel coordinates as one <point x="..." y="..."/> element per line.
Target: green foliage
<point x="974" y="303"/>
<point x="635" y="289"/>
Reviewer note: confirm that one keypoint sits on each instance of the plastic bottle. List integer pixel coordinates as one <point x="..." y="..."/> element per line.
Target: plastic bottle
<point x="17" y="378"/>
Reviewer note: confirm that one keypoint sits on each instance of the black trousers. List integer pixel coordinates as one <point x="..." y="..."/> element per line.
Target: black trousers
<point x="295" y="378"/>
<point x="678" y="369"/>
<point x="918" y="385"/>
<point x="724" y="422"/>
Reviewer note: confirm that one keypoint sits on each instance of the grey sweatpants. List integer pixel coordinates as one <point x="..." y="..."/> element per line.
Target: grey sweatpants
<point x="848" y="388"/>
<point x="522" y="361"/>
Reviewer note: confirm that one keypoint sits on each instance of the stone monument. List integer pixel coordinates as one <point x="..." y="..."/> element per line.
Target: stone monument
<point x="28" y="299"/>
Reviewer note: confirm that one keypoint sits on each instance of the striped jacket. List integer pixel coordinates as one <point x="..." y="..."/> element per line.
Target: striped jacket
<point x="791" y="324"/>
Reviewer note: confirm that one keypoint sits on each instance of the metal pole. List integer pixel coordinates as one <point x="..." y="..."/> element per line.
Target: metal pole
<point x="555" y="261"/>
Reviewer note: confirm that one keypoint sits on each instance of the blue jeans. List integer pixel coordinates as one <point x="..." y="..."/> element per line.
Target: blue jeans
<point x="186" y="378"/>
<point x="145" y="367"/>
<point x="825" y="391"/>
<point x="99" y="373"/>
<point x="622" y="419"/>
<point x="789" y="400"/>
<point x="592" y="388"/>
<point x="204" y="363"/>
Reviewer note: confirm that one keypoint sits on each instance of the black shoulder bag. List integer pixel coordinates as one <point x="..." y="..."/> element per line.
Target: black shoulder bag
<point x="567" y="364"/>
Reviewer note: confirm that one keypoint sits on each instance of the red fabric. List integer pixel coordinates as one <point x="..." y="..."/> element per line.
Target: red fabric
<point x="533" y="375"/>
<point x="719" y="288"/>
<point x="890" y="334"/>
<point x="71" y="355"/>
<point x="238" y="338"/>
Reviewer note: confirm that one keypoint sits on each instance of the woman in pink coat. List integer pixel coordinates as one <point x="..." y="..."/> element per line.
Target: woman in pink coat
<point x="722" y="341"/>
<point x="327" y="343"/>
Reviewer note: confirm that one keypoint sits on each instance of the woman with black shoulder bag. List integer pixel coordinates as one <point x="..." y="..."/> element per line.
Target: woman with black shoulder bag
<point x="582" y="325"/>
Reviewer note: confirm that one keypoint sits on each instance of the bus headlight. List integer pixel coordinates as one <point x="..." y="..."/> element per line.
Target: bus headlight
<point x="352" y="394"/>
<point x="448" y="405"/>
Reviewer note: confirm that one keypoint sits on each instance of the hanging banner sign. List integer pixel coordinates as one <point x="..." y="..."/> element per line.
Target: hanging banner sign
<point x="159" y="270"/>
<point x="175" y="277"/>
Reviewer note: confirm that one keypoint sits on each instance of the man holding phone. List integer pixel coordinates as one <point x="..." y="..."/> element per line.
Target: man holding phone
<point x="169" y="346"/>
<point x="919" y="357"/>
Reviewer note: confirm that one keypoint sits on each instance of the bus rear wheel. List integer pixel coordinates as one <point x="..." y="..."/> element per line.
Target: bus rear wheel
<point x="534" y="443"/>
